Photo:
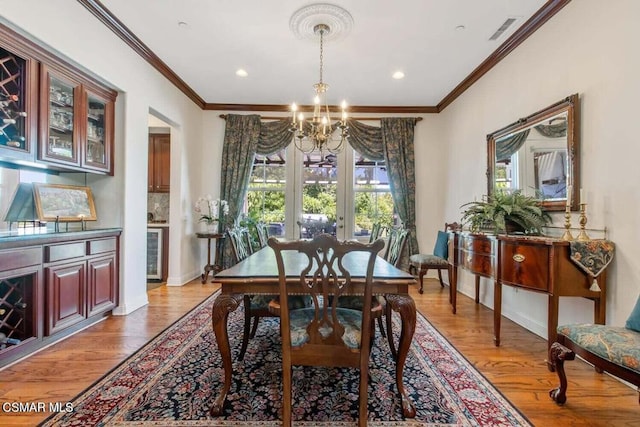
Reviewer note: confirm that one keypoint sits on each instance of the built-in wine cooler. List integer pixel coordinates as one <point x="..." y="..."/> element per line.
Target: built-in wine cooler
<point x="17" y="317"/>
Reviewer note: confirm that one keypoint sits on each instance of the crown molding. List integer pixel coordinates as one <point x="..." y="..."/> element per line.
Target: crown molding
<point x="545" y="13"/>
<point x="333" y="109"/>
<point x="521" y="34"/>
<point x="121" y="30"/>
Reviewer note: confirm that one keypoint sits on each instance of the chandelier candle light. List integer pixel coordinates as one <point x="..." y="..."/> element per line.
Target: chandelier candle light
<point x="316" y="134"/>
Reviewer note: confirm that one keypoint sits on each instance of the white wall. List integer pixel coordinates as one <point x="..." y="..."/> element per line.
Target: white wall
<point x="590" y="48"/>
<point x="80" y="37"/>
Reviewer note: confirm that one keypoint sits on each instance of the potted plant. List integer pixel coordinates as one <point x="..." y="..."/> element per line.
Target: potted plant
<point x="506" y="212"/>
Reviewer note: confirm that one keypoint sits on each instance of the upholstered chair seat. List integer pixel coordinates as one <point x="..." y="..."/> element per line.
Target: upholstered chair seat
<point x="347" y="318"/>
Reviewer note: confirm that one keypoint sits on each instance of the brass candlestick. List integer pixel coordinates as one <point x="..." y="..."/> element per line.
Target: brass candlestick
<point x="567" y="225"/>
<point x="582" y="236"/>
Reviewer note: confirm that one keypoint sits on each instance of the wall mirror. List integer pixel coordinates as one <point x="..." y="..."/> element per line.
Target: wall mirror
<point x="538" y="155"/>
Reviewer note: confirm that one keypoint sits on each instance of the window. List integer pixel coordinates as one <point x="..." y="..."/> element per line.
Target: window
<point x="372" y="198"/>
<point x="265" y="200"/>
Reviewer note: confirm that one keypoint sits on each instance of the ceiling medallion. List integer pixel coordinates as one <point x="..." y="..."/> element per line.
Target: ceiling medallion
<point x="305" y="20"/>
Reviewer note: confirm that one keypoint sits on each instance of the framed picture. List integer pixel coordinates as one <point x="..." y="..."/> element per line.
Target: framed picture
<point x="64" y="203"/>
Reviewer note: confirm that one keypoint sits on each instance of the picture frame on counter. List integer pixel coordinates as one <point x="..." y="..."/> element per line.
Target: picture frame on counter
<point x="66" y="203"/>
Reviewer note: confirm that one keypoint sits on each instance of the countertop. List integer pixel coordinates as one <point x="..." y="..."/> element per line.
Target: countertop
<point x="157" y="224"/>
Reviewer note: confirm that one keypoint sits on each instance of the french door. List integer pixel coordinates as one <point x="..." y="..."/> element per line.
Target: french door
<point x="320" y="186"/>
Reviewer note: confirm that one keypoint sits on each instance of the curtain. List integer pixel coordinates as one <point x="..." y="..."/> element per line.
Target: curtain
<point x="397" y="142"/>
<point x="246" y="135"/>
<point x="366" y="140"/>
<point x="553" y="130"/>
<point x="240" y="143"/>
<point x="507" y="146"/>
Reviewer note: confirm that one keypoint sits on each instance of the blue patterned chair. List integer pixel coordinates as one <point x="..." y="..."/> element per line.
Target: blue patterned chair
<point x="437" y="260"/>
<point x="613" y="349"/>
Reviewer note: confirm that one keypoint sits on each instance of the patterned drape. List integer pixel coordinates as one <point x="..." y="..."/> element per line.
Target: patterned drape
<point x="246" y="135"/>
<point x="507" y="146"/>
<point x="397" y="141"/>
<point x="240" y="143"/>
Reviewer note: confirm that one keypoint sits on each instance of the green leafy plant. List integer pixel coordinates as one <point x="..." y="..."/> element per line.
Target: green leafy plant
<point x="505" y="212"/>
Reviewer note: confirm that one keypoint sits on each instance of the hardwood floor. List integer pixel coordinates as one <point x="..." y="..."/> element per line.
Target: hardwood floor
<point x="517" y="368"/>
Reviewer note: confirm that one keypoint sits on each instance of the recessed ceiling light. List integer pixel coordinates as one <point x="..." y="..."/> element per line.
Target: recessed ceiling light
<point x="241" y="73"/>
<point x="461" y="28"/>
<point x="182" y="24"/>
<point x="398" y="75"/>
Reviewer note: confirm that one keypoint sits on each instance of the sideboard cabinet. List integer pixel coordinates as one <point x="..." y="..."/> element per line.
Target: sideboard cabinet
<point x="538" y="264"/>
<point x="73" y="111"/>
<point x="52" y="285"/>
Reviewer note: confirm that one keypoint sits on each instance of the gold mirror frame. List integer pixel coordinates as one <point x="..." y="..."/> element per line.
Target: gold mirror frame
<point x="570" y="106"/>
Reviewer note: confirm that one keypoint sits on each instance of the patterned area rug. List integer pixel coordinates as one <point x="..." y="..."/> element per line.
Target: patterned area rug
<point x="173" y="379"/>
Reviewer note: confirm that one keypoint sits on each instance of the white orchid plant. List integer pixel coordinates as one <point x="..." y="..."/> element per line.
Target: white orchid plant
<point x="211" y="210"/>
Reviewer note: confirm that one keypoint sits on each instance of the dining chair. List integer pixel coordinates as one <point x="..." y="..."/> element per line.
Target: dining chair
<point x="255" y="306"/>
<point x="262" y="230"/>
<point x="377" y="230"/>
<point x="325" y="334"/>
<point x="438" y="259"/>
<point x="395" y="245"/>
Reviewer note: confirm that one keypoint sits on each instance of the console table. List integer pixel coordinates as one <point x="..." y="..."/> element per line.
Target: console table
<point x="217" y="266"/>
<point x="538" y="264"/>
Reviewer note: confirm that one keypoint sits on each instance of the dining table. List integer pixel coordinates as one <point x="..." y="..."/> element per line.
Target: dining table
<point x="258" y="275"/>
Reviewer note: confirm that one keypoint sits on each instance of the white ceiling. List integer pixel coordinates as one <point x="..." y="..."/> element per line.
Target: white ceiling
<point x="418" y="37"/>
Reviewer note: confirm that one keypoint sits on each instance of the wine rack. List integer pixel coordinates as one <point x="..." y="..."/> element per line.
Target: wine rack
<point x="12" y="111"/>
<point x="16" y="305"/>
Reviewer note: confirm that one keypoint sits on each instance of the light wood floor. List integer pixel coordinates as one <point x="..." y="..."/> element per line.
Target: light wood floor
<point x="517" y="368"/>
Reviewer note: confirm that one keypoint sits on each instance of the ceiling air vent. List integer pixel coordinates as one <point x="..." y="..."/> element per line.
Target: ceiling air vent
<point x="505" y="25"/>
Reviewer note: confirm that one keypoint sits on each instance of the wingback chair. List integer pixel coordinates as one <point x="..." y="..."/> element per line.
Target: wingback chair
<point x="437" y="260"/>
<point x="325" y="334"/>
<point x="255" y="306"/>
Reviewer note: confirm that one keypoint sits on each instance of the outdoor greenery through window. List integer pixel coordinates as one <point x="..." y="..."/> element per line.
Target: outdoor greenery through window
<point x="323" y="178"/>
<point x="266" y="194"/>
<point x="373" y="201"/>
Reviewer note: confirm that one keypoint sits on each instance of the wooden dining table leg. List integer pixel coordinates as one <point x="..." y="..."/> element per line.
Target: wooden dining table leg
<point x="406" y="307"/>
<point x="222" y="306"/>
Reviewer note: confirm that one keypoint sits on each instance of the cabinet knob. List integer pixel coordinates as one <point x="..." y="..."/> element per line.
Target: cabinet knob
<point x="518" y="258"/>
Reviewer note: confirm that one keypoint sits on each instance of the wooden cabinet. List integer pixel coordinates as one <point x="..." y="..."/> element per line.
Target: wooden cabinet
<point x="18" y="99"/>
<point x="76" y="122"/>
<point x="159" y="163"/>
<point x="52" y="115"/>
<point x="539" y="264"/>
<point x="52" y="285"/>
<point x="79" y="281"/>
<point x="65" y="290"/>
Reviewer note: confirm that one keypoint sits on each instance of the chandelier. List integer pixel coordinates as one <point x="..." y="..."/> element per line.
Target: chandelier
<point x="316" y="134"/>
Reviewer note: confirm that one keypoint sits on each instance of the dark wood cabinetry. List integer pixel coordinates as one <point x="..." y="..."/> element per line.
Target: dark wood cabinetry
<point x="159" y="163"/>
<point x="78" y="283"/>
<point x="539" y="264"/>
<point x="58" y="284"/>
<point x="73" y="111"/>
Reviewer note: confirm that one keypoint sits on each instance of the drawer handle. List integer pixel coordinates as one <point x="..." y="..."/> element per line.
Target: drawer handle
<point x="518" y="258"/>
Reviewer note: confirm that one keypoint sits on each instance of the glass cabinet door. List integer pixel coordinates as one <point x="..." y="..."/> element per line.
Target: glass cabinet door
<point x="96" y="154"/>
<point x="15" y="141"/>
<point x="60" y="141"/>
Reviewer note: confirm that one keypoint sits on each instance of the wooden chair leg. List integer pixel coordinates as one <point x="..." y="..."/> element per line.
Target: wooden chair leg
<point x="286" y="395"/>
<point x="557" y="355"/>
<point x="247" y="326"/>
<point x="477" y="289"/>
<point x="256" y="319"/>
<point x="392" y="344"/>
<point x="381" y="327"/>
<point x="423" y="271"/>
<point x="440" y="277"/>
